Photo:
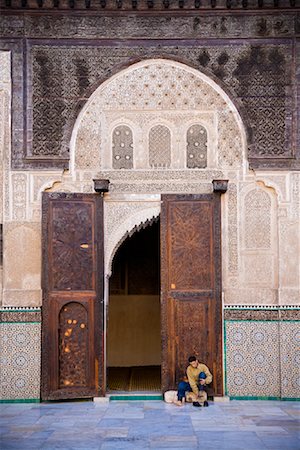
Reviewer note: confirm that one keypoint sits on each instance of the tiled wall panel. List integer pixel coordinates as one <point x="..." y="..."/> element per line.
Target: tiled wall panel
<point x="263" y="357"/>
<point x="252" y="359"/>
<point x="20" y="361"/>
<point x="290" y="359"/>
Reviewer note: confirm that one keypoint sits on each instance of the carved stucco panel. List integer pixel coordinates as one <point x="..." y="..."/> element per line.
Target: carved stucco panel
<point x="5" y="131"/>
<point x="230" y="142"/>
<point x="295" y="197"/>
<point x="289" y="296"/>
<point x="161" y="181"/>
<point x="251" y="296"/>
<point x="160" y="85"/>
<point x="280" y="183"/>
<point x="3" y="117"/>
<point x="258" y="269"/>
<point x="22" y="268"/>
<point x="232" y="230"/>
<point x="88" y="141"/>
<point x="5" y="68"/>
<point x="121" y="218"/>
<point x="259" y="231"/>
<point x="40" y="182"/>
<point x="289" y="262"/>
<point x="160" y="187"/>
<point x="5" y="101"/>
<point x="19" y="189"/>
<point x="169" y="90"/>
<point x="257" y="220"/>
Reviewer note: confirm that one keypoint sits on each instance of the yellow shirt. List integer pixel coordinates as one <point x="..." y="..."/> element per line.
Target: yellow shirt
<point x="193" y="376"/>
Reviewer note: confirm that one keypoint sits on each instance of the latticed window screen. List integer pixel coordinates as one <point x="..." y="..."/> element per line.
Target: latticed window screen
<point x="159" y="147"/>
<point x="122" y="148"/>
<point x="196" y="148"/>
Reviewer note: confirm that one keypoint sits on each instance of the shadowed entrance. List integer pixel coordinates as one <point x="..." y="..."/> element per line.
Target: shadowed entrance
<point x="134" y="336"/>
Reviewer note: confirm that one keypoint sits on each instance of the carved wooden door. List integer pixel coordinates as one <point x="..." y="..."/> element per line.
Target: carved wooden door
<point x="191" y="306"/>
<point x="72" y="312"/>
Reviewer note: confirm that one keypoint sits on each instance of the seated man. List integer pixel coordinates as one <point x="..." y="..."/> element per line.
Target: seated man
<point x="198" y="376"/>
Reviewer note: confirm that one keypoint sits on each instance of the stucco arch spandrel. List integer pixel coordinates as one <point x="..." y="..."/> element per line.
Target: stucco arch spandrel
<point x="118" y="230"/>
<point x="164" y="89"/>
<point x="278" y="185"/>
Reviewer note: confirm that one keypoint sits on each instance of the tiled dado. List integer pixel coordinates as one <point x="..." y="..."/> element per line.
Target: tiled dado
<point x="20" y="343"/>
<point x="261" y="352"/>
<point x="262" y="357"/>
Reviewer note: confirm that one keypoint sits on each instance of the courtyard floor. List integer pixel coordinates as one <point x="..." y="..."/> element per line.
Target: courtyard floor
<point x="234" y="425"/>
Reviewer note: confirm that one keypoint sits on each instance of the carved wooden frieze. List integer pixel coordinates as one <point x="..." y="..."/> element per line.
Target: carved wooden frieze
<point x="188" y="25"/>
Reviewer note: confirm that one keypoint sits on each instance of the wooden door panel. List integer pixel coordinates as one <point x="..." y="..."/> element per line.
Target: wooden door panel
<point x="72" y="329"/>
<point x="72" y="341"/>
<point x="191" y="307"/>
<point x="71" y="250"/>
<point x="190" y="229"/>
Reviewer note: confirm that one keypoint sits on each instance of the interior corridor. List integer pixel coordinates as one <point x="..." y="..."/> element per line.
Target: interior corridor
<point x="133" y="337"/>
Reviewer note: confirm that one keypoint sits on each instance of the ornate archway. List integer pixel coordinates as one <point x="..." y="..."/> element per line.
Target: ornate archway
<point x="160" y="127"/>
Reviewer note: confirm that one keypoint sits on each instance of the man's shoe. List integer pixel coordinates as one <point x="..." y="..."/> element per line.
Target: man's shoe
<point x="196" y="404"/>
<point x="205" y="403"/>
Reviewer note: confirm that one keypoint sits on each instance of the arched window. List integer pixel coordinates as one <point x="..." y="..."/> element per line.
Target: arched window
<point x="196" y="147"/>
<point x="122" y="148"/>
<point x="159" y="147"/>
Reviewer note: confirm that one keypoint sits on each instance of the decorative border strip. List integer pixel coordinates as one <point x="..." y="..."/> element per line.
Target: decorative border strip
<point x="244" y="314"/>
<point x="262" y="315"/>
<point x="275" y="307"/>
<point x="285" y="399"/>
<point x="225" y="358"/>
<point x="266" y="307"/>
<point x="21" y="317"/>
<point x="135" y="397"/>
<point x="21" y="400"/>
<point x="20" y="309"/>
<point x="3" y="322"/>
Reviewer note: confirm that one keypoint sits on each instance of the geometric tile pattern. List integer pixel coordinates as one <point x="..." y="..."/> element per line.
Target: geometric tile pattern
<point x="252" y="359"/>
<point x="262" y="359"/>
<point x="290" y="359"/>
<point x="20" y="350"/>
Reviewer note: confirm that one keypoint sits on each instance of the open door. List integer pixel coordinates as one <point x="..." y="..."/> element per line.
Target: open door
<point x="72" y="313"/>
<point x="191" y="305"/>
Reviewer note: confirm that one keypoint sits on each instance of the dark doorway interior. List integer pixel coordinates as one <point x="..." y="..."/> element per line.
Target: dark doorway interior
<point x="133" y="336"/>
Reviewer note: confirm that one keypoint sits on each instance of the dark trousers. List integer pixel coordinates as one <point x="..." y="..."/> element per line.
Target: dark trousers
<point x="183" y="387"/>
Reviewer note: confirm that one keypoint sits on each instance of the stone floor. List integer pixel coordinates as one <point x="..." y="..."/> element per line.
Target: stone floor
<point x="235" y="425"/>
